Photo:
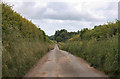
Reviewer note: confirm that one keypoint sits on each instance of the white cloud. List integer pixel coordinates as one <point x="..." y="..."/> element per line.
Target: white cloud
<point x="69" y="14"/>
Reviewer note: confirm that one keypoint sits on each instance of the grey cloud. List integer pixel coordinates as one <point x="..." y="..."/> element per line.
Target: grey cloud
<point x="110" y="11"/>
<point x="72" y="19"/>
<point x="27" y="9"/>
<point x="61" y="11"/>
<point x="72" y="15"/>
<point x="58" y="6"/>
<point x="66" y="12"/>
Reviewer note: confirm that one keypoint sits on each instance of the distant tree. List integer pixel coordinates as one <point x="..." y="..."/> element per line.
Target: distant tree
<point x="59" y="39"/>
<point x="63" y="35"/>
<point x="51" y="37"/>
<point x="82" y="32"/>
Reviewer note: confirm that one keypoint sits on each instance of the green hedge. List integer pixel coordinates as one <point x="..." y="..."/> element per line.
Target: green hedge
<point x="98" y="46"/>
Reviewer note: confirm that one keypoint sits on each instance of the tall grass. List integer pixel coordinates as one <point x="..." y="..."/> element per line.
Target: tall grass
<point x="23" y="44"/>
<point x="98" y="46"/>
<point x="19" y="57"/>
<point x="102" y="55"/>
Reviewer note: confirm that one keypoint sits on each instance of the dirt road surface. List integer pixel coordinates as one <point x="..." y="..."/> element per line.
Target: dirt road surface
<point x="59" y="63"/>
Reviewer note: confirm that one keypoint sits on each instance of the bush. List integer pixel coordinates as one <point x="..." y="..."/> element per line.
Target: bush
<point x="98" y="46"/>
<point x="23" y="44"/>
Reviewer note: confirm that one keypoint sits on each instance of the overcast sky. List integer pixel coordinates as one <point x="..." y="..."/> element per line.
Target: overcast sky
<point x="73" y="15"/>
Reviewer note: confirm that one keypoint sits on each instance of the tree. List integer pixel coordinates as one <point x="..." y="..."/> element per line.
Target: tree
<point x="59" y="39"/>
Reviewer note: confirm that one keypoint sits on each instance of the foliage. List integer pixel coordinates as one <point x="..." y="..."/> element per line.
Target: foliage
<point x="62" y="35"/>
<point x="51" y="37"/>
<point x="22" y="42"/>
<point x="98" y="46"/>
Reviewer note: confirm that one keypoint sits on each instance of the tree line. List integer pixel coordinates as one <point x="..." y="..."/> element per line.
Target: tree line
<point x="62" y="35"/>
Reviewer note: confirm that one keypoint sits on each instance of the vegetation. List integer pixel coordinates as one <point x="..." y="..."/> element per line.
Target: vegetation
<point x="98" y="46"/>
<point x="62" y="35"/>
<point x="23" y="44"/>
